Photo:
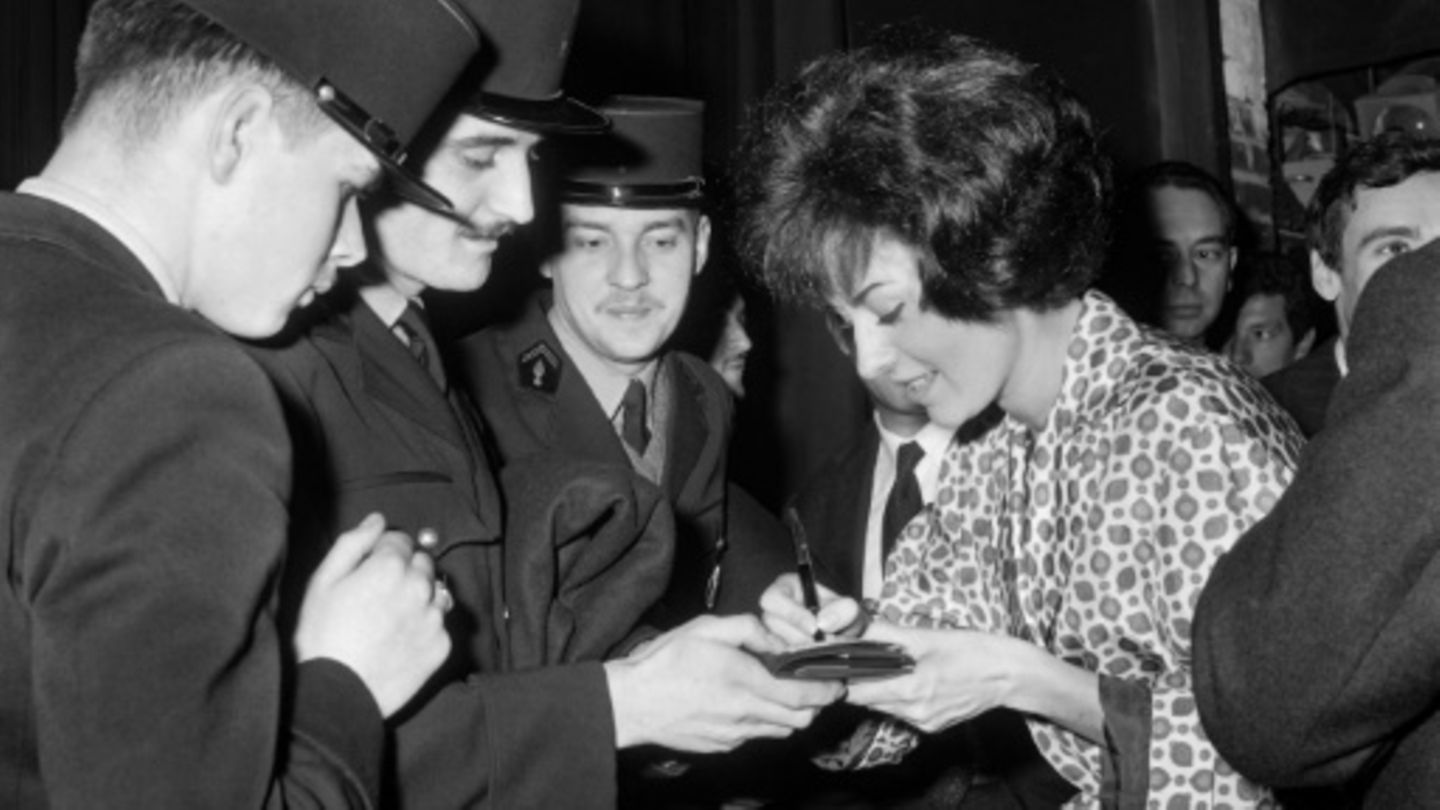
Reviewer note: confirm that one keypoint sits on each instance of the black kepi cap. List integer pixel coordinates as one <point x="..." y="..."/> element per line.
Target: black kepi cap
<point x="650" y="159"/>
<point x="378" y="67"/>
<point x="526" y="45"/>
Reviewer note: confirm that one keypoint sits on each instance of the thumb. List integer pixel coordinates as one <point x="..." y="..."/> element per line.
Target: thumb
<point x="349" y="550"/>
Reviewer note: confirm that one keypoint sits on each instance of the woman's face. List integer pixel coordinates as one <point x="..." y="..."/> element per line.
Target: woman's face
<point x="953" y="369"/>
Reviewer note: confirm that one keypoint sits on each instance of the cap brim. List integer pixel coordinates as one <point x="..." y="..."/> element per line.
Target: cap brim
<point x="405" y="185"/>
<point x="686" y="194"/>
<point x="558" y="116"/>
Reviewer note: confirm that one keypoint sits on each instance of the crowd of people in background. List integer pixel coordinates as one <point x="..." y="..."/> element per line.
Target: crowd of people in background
<point x="1133" y="524"/>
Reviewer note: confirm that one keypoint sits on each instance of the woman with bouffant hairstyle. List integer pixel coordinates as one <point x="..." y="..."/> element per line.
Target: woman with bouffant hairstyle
<point x="946" y="202"/>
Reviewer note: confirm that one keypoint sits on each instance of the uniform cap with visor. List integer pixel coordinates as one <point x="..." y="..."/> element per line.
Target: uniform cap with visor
<point x="652" y="158"/>
<point x="526" y="45"/>
<point x="378" y="68"/>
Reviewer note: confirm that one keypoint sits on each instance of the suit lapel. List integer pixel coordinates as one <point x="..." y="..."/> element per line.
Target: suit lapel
<point x="688" y="432"/>
<point x="849" y="515"/>
<point x="391" y="376"/>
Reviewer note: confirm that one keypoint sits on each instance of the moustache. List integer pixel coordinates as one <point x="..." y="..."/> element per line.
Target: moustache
<point x="629" y="301"/>
<point x="470" y="229"/>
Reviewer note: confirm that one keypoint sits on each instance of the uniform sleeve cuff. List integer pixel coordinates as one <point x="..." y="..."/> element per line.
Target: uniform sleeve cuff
<point x="1125" y="767"/>
<point x="336" y="714"/>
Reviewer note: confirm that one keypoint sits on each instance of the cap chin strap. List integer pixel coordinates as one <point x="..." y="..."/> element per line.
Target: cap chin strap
<point x="380" y="139"/>
<point x="687" y="193"/>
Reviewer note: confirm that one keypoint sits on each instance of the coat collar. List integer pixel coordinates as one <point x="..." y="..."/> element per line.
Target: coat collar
<point x="569" y="418"/>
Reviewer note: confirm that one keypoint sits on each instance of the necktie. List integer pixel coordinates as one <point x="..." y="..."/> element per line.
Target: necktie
<point x="905" y="500"/>
<point x="421" y="343"/>
<point x="633" y="427"/>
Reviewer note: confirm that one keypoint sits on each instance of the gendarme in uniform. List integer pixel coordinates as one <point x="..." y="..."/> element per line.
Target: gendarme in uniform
<point x="544" y="388"/>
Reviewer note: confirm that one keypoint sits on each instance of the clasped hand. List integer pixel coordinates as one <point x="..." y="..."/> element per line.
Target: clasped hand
<point x="699" y="688"/>
<point x="958" y="674"/>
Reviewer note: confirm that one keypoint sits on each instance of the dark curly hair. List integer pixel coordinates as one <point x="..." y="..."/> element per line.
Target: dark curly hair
<point x="1388" y="159"/>
<point x="988" y="167"/>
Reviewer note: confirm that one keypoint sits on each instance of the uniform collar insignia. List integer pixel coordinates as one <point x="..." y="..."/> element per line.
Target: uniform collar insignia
<point x="539" y="368"/>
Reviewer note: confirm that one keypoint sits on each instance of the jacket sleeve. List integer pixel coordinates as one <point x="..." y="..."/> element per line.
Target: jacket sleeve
<point x="539" y="738"/>
<point x="157" y="664"/>
<point x="1317" y="639"/>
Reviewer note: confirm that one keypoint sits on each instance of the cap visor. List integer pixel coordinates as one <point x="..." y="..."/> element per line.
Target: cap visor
<point x="412" y="189"/>
<point x="559" y="115"/>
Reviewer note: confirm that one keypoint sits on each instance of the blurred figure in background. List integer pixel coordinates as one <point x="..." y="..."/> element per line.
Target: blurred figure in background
<point x="1275" y="322"/>
<point x="1176" y="250"/>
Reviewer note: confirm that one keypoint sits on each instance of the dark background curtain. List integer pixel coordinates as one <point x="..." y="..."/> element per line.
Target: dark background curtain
<point x="37" y="53"/>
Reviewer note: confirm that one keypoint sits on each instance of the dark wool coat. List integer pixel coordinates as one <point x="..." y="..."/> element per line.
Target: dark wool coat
<point x="144" y="469"/>
<point x="557" y="413"/>
<point x="1317" y="639"/>
<point x="585" y="550"/>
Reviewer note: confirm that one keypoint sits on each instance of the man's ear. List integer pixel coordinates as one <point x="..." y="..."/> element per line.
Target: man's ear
<point x="1324" y="278"/>
<point x="238" y="126"/>
<point x="1304" y="345"/>
<point x="702" y="242"/>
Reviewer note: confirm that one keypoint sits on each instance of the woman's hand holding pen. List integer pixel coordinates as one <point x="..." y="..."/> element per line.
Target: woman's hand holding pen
<point x="783" y="610"/>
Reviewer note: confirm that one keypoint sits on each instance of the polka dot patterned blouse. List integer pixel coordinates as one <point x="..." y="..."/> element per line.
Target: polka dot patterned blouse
<point x="1094" y="536"/>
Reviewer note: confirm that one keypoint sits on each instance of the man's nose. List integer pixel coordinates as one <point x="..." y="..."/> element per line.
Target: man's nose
<point x="348" y="249"/>
<point x="1184" y="272"/>
<point x="629" y="270"/>
<point x="511" y="196"/>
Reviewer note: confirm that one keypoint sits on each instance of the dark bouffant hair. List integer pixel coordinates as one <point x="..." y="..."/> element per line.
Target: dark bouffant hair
<point x="1388" y="159"/>
<point x="986" y="166"/>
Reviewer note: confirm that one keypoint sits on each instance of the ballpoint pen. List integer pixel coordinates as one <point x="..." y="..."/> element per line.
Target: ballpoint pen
<point x="804" y="568"/>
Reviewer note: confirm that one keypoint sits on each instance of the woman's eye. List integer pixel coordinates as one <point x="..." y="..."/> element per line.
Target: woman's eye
<point x="891" y="317"/>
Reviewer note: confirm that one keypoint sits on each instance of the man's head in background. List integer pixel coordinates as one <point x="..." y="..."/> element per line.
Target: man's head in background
<point x="1275" y="323"/>
<point x="1381" y="199"/>
<point x="1190" y="225"/>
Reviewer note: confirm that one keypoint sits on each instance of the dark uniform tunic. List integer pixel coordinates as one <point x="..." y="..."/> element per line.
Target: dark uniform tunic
<point x="373" y="432"/>
<point x="534" y="400"/>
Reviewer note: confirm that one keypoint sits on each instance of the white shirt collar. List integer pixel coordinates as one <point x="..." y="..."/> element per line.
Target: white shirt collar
<point x="933" y="439"/>
<point x="113" y="222"/>
<point x="386" y="302"/>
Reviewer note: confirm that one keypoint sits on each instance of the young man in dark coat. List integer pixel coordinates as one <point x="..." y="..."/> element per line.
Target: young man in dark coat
<point x="1317" y="644"/>
<point x="553" y="567"/>
<point x="205" y="180"/>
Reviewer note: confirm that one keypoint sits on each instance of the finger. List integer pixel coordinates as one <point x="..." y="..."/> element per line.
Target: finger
<point x="875" y="693"/>
<point x="809" y="695"/>
<point x="789" y="620"/>
<point x="783" y="592"/>
<point x="442" y="597"/>
<point x="349" y="550"/>
<point x="839" y="614"/>
<point x="420" y="562"/>
<point x="880" y="630"/>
